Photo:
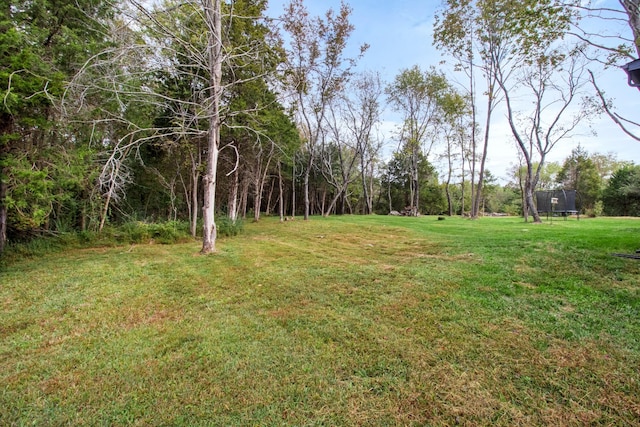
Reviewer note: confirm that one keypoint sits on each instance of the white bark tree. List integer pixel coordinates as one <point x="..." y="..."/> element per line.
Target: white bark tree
<point x="465" y="31"/>
<point x="361" y="115"/>
<point x="555" y="86"/>
<point x="417" y="95"/>
<point x="317" y="72"/>
<point x="213" y="21"/>
<point x="339" y="156"/>
<point x="183" y="45"/>
<point x="454" y="129"/>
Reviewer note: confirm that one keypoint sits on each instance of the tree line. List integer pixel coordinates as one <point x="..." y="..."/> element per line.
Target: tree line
<point x="199" y="110"/>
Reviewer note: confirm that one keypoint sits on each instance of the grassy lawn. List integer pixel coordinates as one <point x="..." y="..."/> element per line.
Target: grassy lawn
<point x="363" y="321"/>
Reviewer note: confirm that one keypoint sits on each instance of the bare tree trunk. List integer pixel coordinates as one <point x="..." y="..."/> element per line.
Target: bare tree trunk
<point x="105" y="209"/>
<point x="257" y="195"/>
<point x="323" y="200"/>
<point x="478" y="193"/>
<point x="365" y="188"/>
<point x="474" y="140"/>
<point x="209" y="230"/>
<point x="293" y="189"/>
<point x="281" y="193"/>
<point x="115" y="163"/>
<point x="3" y="212"/>
<point x="526" y="207"/>
<point x="186" y="190"/>
<point x="528" y="192"/>
<point x="195" y="178"/>
<point x="462" y="203"/>
<point x="333" y="203"/>
<point x="389" y="195"/>
<point x="244" y="197"/>
<point x="214" y="22"/>
<point x="173" y="210"/>
<point x="473" y="180"/>
<point x="270" y="197"/>
<point x="413" y="183"/>
<point x="348" y="203"/>
<point x="260" y="179"/>
<point x="196" y="160"/>
<point x="233" y="197"/>
<point x="371" y="178"/>
<point x="307" y="202"/>
<point x="447" y="185"/>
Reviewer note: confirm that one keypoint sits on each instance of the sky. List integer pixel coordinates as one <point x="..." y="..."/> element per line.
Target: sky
<point x="399" y="34"/>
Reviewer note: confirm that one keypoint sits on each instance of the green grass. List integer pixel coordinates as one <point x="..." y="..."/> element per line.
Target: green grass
<point x="338" y="321"/>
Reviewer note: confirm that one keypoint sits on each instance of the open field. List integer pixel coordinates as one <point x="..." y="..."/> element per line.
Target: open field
<point x="363" y="321"/>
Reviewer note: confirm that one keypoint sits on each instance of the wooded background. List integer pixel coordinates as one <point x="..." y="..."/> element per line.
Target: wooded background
<point x="186" y="111"/>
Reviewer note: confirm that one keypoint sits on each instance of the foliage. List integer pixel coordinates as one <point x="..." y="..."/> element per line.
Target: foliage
<point x="420" y="96"/>
<point x="621" y="197"/>
<point x="127" y="233"/>
<point x="229" y="228"/>
<point x="317" y="72"/>
<point x="42" y="176"/>
<point x="396" y="186"/>
<point x="579" y="172"/>
<point x="510" y="200"/>
<point x="142" y="232"/>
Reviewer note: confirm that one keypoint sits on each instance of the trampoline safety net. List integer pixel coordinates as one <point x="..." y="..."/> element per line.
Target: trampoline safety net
<point x="566" y="201"/>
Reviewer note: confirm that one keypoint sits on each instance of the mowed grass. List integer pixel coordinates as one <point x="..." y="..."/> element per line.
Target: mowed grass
<point x="345" y="321"/>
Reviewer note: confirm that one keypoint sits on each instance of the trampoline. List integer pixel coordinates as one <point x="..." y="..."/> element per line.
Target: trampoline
<point x="557" y="202"/>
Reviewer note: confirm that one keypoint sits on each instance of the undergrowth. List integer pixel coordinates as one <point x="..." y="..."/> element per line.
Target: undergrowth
<point x="133" y="232"/>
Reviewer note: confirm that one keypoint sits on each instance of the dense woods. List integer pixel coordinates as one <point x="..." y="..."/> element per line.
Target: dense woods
<point x="199" y="110"/>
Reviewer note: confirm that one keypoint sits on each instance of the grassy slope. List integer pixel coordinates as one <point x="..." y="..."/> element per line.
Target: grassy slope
<point x="339" y="321"/>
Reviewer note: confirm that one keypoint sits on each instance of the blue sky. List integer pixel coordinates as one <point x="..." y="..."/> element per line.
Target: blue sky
<point x="399" y="33"/>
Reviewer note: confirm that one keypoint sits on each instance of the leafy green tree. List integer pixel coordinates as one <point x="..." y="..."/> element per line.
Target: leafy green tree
<point x="621" y="197"/>
<point x="396" y="192"/>
<point x="607" y="164"/>
<point x="266" y="138"/>
<point x="548" y="178"/>
<point x="489" y="203"/>
<point x="505" y="199"/>
<point x="42" y="44"/>
<point x="579" y="172"/>
<point x="418" y="96"/>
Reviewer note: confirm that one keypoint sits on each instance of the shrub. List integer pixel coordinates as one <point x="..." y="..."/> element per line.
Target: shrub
<point x="228" y="228"/>
<point x="160" y="232"/>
